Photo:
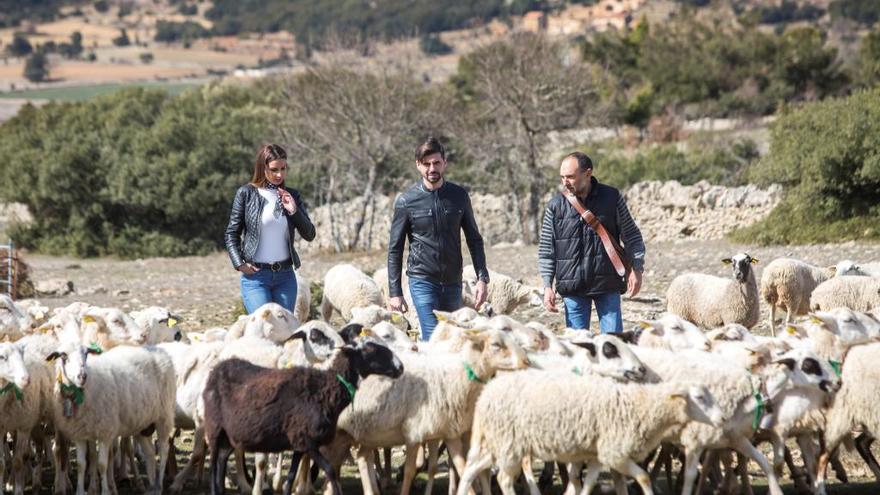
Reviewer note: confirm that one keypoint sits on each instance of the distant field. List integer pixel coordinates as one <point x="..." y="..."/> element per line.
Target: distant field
<point x="79" y="93"/>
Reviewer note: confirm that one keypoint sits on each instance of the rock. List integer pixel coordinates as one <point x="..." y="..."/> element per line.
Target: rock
<point x="121" y="292"/>
<point x="53" y="287"/>
<point x="90" y="291"/>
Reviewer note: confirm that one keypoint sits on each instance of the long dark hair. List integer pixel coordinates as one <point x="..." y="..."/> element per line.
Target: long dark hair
<point x="267" y="154"/>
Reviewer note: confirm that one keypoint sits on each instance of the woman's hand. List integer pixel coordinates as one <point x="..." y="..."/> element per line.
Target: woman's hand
<point x="287" y="201"/>
<point x="247" y="268"/>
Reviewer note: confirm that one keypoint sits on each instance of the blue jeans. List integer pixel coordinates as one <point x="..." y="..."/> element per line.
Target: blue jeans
<point x="577" y="312"/>
<point x="428" y="296"/>
<point x="267" y="286"/>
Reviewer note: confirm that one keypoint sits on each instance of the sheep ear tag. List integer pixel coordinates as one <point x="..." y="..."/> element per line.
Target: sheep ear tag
<point x="755" y="261"/>
<point x="365" y="332"/>
<point x="171" y="322"/>
<point x="816" y="320"/>
<point x="94" y="348"/>
<point x="645" y="325"/>
<point x="791" y="330"/>
<point x="88" y="319"/>
<point x="396" y="318"/>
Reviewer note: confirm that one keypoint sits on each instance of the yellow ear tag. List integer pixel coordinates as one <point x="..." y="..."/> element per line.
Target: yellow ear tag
<point x="171" y="322"/>
<point x="440" y="317"/>
<point x="365" y="332"/>
<point x="195" y="337"/>
<point x="88" y="319"/>
<point x="755" y="260"/>
<point x="59" y="377"/>
<point x="645" y="325"/>
<point x="791" y="330"/>
<point x="817" y="320"/>
<point x="396" y="318"/>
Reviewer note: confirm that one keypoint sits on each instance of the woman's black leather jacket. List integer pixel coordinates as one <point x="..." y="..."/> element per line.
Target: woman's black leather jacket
<point x="247" y="207"/>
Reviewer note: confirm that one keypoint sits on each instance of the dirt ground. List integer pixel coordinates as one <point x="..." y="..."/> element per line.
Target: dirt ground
<point x="204" y="290"/>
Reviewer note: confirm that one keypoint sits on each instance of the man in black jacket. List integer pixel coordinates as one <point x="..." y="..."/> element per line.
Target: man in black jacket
<point x="572" y="254"/>
<point x="431" y="215"/>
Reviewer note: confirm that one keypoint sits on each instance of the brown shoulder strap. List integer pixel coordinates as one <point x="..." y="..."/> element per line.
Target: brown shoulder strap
<point x="611" y="246"/>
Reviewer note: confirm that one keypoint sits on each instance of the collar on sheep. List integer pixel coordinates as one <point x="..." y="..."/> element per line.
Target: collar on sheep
<point x="472" y="375"/>
<point x="762" y="398"/>
<point x="12" y="387"/>
<point x="351" y="389"/>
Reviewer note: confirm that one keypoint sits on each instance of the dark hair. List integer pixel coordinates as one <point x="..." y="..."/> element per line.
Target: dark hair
<point x="429" y="147"/>
<point x="267" y="154"/>
<point x="584" y="162"/>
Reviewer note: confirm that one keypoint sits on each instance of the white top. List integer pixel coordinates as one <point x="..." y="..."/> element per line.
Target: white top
<point x="274" y="236"/>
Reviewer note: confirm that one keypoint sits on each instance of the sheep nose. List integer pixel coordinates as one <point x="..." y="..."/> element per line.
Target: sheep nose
<point x="642" y="370"/>
<point x="177" y="336"/>
<point x="24" y="382"/>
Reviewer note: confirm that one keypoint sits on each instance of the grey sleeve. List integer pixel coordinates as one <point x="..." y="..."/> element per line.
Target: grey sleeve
<point x="631" y="236"/>
<point x="547" y="250"/>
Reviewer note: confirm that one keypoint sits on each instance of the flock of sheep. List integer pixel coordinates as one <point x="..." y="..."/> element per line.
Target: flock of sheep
<point x="694" y="385"/>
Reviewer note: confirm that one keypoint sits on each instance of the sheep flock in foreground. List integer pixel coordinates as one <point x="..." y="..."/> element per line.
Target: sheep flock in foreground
<point x="91" y="396"/>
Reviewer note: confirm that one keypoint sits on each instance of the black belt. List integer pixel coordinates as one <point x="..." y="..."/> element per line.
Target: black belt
<point x="275" y="267"/>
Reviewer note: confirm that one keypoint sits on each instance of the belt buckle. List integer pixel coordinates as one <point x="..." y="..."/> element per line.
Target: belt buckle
<point x="275" y="267"/>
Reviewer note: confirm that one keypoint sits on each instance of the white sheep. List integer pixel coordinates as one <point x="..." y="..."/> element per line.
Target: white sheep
<point x="787" y="283"/>
<point x="25" y="387"/>
<point x="346" y="287"/>
<point x="514" y="419"/>
<point x="854" y="292"/>
<point x="849" y="267"/>
<point x="373" y="314"/>
<point x="107" y="396"/>
<point x="670" y="332"/>
<point x="13" y="321"/>
<point x="505" y="293"/>
<point x="432" y="400"/>
<point x="270" y="321"/>
<point x="711" y="301"/>
<point x="159" y="324"/>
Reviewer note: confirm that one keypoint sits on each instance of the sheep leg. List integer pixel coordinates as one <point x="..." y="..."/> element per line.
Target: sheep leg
<point x="367" y="474"/>
<point x="409" y="467"/>
<point x="433" y="450"/>
<point x="742" y="445"/>
<point x="456" y="453"/>
<point x="165" y="448"/>
<point x="219" y="459"/>
<point x="291" y="473"/>
<point x="260" y="465"/>
<point x="103" y="462"/>
<point x="797" y="474"/>
<point x="326" y="309"/>
<point x="20" y="460"/>
<point x="149" y="453"/>
<point x="276" y="477"/>
<point x="594" y="467"/>
<point x="838" y="467"/>
<point x="574" y="485"/>
<point x="706" y="465"/>
<point x="81" y="466"/>
<point x="691" y="469"/>
<point x="506" y="479"/>
<point x="772" y="320"/>
<point x="633" y="470"/>
<point x="529" y="475"/>
<point x="60" y="449"/>
<point x="329" y="472"/>
<point x="728" y="484"/>
<point x="4" y="456"/>
<point x="241" y="473"/>
<point x="742" y="468"/>
<point x="863" y="446"/>
<point x="302" y="482"/>
<point x="196" y="458"/>
<point x="477" y="462"/>
<point x="546" y="479"/>
<point x="809" y="455"/>
<point x="620" y="483"/>
<point x="92" y="462"/>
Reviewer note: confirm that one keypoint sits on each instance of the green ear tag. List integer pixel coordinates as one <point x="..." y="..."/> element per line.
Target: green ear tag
<point x="95" y="348"/>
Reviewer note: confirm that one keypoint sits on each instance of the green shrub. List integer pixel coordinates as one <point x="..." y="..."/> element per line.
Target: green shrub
<point x="827" y="156"/>
<point x="135" y="173"/>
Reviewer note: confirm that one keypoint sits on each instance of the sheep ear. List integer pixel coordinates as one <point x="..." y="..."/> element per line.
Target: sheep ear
<point x="788" y="362"/>
<point x="646" y="325"/>
<point x="727" y="261"/>
<point x="815" y="319"/>
<point x="299" y="334"/>
<point x="350" y="332"/>
<point x="443" y="315"/>
<point x="589" y="346"/>
<point x="53" y="357"/>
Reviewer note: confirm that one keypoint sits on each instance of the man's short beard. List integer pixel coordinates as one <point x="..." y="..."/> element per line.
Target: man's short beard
<point x="433" y="179"/>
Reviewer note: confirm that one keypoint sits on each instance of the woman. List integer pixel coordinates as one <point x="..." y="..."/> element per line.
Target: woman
<point x="267" y="212"/>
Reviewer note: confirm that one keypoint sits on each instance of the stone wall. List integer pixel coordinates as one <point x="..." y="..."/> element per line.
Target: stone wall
<point x="665" y="211"/>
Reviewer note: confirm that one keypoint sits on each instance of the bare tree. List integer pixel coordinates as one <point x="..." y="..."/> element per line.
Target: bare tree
<point x="356" y="128"/>
<point x="521" y="89"/>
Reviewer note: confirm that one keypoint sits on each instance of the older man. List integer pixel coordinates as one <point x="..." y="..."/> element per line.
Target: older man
<point x="431" y="215"/>
<point x="573" y="254"/>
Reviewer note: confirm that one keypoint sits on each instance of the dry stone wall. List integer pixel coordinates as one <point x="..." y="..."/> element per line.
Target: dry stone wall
<point x="665" y="211"/>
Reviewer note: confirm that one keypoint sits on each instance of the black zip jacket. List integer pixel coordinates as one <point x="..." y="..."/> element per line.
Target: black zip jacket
<point x="247" y="207"/>
<point x="432" y="221"/>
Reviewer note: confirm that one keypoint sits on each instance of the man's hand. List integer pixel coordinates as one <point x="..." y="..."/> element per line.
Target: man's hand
<point x="397" y="303"/>
<point x="550" y="300"/>
<point x="247" y="268"/>
<point x="480" y="294"/>
<point x="634" y="283"/>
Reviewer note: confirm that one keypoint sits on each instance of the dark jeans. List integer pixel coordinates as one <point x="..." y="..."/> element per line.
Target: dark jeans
<point x="428" y="296"/>
<point x="267" y="286"/>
